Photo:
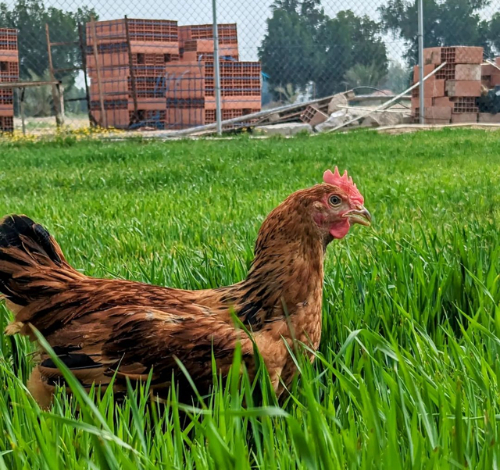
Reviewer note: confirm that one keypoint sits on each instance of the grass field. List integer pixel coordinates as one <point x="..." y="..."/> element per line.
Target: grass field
<point x="408" y="371"/>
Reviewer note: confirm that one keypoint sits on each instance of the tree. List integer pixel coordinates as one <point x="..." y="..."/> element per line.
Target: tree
<point x="446" y="23"/>
<point x="363" y="75"/>
<point x="288" y="94"/>
<point x="347" y="40"/>
<point x="29" y="18"/>
<point x="287" y="49"/>
<point x="398" y="78"/>
<point x="494" y="31"/>
<point x="303" y="46"/>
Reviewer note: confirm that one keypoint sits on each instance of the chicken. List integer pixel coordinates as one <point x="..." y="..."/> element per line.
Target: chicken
<point x="103" y="327"/>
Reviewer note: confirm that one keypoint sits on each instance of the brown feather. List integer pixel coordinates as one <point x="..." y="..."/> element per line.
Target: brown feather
<point x="102" y="327"/>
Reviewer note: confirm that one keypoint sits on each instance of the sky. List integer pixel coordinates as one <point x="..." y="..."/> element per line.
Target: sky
<point x="250" y="15"/>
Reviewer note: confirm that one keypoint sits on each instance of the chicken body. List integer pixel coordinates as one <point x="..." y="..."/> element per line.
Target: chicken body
<point x="103" y="327"/>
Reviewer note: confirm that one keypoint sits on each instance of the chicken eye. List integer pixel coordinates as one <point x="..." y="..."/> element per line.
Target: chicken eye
<point x="335" y="200"/>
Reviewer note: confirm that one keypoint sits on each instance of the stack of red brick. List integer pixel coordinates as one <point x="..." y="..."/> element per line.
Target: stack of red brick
<point x="450" y="94"/>
<point x="191" y="81"/>
<point x="153" y="45"/>
<point x="182" y="87"/>
<point x="9" y="72"/>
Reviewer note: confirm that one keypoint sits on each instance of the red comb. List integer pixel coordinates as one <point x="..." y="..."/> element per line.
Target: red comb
<point x="343" y="182"/>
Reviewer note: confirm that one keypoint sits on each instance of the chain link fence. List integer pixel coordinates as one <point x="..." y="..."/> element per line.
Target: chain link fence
<point x="151" y="64"/>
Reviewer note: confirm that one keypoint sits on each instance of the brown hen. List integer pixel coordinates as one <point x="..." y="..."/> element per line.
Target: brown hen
<point x="103" y="327"/>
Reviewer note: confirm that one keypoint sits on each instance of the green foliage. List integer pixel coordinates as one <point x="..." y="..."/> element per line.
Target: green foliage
<point x="38" y="101"/>
<point x="363" y="75"/>
<point x="287" y="94"/>
<point x="495" y="31"/>
<point x="30" y="17"/>
<point x="304" y="45"/>
<point x="408" y="372"/>
<point x="446" y="23"/>
<point x="398" y="77"/>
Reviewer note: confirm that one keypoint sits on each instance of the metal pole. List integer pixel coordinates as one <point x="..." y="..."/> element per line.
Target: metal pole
<point x="21" y="106"/>
<point x="421" y="58"/>
<point x="133" y="82"/>
<point x="218" y="111"/>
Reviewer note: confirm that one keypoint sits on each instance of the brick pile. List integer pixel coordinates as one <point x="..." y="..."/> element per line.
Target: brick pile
<point x="450" y="94"/>
<point x="9" y="72"/>
<point x="153" y="45"/>
<point x="182" y="87"/>
<point x="490" y="79"/>
<point x="191" y="82"/>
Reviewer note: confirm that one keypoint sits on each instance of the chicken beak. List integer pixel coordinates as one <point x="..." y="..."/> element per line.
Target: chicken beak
<point x="359" y="216"/>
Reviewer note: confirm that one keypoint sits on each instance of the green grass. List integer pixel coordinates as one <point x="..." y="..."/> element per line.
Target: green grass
<point x="408" y="371"/>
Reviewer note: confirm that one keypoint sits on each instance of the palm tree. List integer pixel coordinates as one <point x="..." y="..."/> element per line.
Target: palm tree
<point x="363" y="75"/>
<point x="287" y="93"/>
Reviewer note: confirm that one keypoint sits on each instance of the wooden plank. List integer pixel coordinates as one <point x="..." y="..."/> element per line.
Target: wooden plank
<point x="104" y="120"/>
<point x="84" y="68"/>
<point x="27" y="84"/>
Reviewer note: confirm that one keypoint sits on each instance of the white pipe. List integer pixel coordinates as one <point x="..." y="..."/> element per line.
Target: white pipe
<point x="218" y="111"/>
<point x="421" y="59"/>
<point x="382" y="106"/>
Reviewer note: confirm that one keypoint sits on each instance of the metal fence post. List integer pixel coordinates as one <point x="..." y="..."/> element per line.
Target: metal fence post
<point x="218" y="110"/>
<point x="421" y="59"/>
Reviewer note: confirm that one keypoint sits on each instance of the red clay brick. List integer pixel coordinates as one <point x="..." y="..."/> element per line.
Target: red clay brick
<point x="468" y="72"/>
<point x="488" y="69"/>
<point x="486" y="83"/>
<point x="438" y="112"/>
<point x="464" y="117"/>
<point x="432" y="88"/>
<point x="442" y="101"/>
<point x="495" y="79"/>
<point x="415" y="103"/>
<point x="488" y="117"/>
<point x="463" y="88"/>
<point x="462" y="55"/>
<point x="432" y="55"/>
<point x="433" y="121"/>
<point x="427" y="70"/>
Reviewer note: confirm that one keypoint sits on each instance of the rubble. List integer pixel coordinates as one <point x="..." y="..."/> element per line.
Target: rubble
<point x="287" y="129"/>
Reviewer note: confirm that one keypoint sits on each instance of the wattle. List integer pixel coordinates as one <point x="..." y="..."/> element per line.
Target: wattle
<point x="340" y="229"/>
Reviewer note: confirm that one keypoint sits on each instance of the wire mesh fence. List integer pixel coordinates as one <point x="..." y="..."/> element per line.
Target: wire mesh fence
<point x="150" y="64"/>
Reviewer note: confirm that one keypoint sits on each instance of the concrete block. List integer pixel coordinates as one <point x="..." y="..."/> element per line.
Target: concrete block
<point x="288" y="129"/>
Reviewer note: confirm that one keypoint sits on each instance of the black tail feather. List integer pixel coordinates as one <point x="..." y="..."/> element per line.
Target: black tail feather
<point x="14" y="228"/>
